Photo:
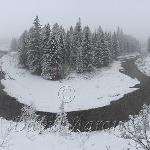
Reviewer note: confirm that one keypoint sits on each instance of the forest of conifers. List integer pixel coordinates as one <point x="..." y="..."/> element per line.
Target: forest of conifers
<point x="54" y="52"/>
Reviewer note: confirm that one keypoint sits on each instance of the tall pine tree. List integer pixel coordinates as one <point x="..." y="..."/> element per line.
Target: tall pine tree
<point x="115" y="46"/>
<point x="86" y="50"/>
<point x="45" y="61"/>
<point x="22" y="49"/>
<point x="106" y="50"/>
<point x="69" y="45"/>
<point x="34" y="51"/>
<point x="98" y="49"/>
<point x="77" y="40"/>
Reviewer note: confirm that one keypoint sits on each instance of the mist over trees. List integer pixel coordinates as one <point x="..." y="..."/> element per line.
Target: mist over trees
<point x="148" y="45"/>
<point x="14" y="44"/>
<point x="53" y="52"/>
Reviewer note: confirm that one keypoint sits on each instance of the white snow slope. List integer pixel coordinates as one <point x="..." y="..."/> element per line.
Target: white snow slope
<point x="143" y="65"/>
<point x="107" y="85"/>
<point x="25" y="140"/>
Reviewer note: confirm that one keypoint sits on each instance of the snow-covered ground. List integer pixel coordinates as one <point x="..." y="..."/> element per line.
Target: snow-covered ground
<point x="107" y="85"/>
<point x="128" y="56"/>
<point x="25" y="140"/>
<point x="143" y="65"/>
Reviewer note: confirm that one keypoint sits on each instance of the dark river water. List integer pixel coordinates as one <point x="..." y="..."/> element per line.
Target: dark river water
<point x="92" y="119"/>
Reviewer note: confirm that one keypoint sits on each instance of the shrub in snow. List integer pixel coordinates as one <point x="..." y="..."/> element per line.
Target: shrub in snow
<point x="138" y="129"/>
<point x="31" y="119"/>
<point x="84" y="138"/>
<point x="143" y="64"/>
<point x="28" y="113"/>
<point x="6" y="130"/>
<point x="61" y="123"/>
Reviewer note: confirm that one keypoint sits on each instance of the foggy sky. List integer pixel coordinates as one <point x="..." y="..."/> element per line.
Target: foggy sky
<point x="131" y="15"/>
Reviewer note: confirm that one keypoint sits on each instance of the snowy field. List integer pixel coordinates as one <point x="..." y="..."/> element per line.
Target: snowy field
<point x="143" y="65"/>
<point x="25" y="140"/>
<point x="107" y="85"/>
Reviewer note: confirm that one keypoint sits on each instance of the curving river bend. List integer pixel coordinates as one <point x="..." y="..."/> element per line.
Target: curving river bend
<point x="95" y="119"/>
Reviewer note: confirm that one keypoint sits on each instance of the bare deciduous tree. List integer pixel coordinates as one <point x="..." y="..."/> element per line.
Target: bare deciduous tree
<point x="137" y="129"/>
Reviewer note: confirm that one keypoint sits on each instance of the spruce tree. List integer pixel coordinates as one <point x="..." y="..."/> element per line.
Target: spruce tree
<point x="56" y="32"/>
<point x="94" y="48"/>
<point x="51" y="68"/>
<point x="121" y="40"/>
<point x="45" y="61"/>
<point x="79" y="61"/>
<point x="87" y="50"/>
<point x="115" y="46"/>
<point x="109" y="44"/>
<point x="62" y="53"/>
<point x="22" y="49"/>
<point x="45" y="36"/>
<point x="34" y="51"/>
<point x="77" y="40"/>
<point x="106" y="50"/>
<point x="98" y="49"/>
<point x="69" y="45"/>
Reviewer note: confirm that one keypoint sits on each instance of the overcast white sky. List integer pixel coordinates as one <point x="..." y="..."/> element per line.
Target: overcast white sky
<point x="131" y="15"/>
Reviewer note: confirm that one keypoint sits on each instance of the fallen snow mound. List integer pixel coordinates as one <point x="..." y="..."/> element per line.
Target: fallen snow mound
<point x="107" y="85"/>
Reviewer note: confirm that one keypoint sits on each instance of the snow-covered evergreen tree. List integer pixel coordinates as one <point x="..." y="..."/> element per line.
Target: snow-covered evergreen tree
<point x="115" y="45"/>
<point x="108" y="37"/>
<point x="56" y="31"/>
<point x="79" y="61"/>
<point x="94" y="48"/>
<point x="61" y="123"/>
<point x="121" y="40"/>
<point x="53" y="63"/>
<point x="53" y="67"/>
<point x="77" y="40"/>
<point x="34" y="51"/>
<point x="69" y="45"/>
<point x="98" y="49"/>
<point x="62" y="53"/>
<point x="106" y="50"/>
<point x="78" y="33"/>
<point x="45" y="36"/>
<point x="86" y="50"/>
<point x="22" y="49"/>
<point x="46" y="52"/>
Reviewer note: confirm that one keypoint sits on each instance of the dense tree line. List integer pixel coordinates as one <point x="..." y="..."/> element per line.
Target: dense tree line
<point x="54" y="52"/>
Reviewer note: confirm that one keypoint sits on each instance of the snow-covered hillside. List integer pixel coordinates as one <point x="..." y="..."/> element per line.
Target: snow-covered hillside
<point x="144" y="64"/>
<point x="25" y="140"/>
<point x="107" y="85"/>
